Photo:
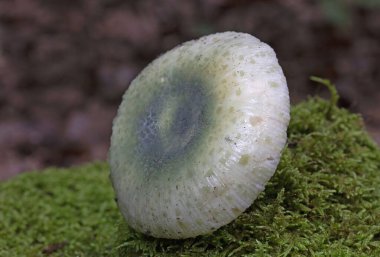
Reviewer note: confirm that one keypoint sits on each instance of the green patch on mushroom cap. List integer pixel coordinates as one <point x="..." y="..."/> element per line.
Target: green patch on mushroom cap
<point x="185" y="156"/>
<point x="324" y="200"/>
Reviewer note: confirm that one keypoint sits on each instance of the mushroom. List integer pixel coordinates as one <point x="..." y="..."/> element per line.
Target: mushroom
<point x="198" y="134"/>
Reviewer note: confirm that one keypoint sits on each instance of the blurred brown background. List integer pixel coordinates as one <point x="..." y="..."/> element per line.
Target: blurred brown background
<point x="64" y="65"/>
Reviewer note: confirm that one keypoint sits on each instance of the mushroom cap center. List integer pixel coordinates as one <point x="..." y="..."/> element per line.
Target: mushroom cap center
<point x="172" y="122"/>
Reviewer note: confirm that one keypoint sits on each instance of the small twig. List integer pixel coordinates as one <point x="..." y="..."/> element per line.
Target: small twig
<point x="332" y="89"/>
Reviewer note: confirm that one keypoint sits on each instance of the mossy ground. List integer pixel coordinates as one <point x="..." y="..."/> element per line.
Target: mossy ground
<point x="324" y="200"/>
<point x="58" y="212"/>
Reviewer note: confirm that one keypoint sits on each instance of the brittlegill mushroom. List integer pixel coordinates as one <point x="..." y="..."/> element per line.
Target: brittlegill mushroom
<point x="198" y="134"/>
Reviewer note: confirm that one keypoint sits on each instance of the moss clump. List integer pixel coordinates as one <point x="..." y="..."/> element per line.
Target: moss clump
<point x="58" y="213"/>
<point x="324" y="200"/>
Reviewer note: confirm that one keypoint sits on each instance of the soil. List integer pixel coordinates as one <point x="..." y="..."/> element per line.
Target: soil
<point x="64" y="65"/>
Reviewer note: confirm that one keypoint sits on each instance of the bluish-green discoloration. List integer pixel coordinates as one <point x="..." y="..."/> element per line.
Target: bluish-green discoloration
<point x="168" y="124"/>
<point x="172" y="123"/>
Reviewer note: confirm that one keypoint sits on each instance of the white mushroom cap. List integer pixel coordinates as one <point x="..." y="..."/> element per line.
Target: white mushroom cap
<point x="198" y="135"/>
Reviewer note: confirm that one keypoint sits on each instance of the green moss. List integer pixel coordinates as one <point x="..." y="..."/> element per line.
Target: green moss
<point x="324" y="200"/>
<point x="57" y="211"/>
